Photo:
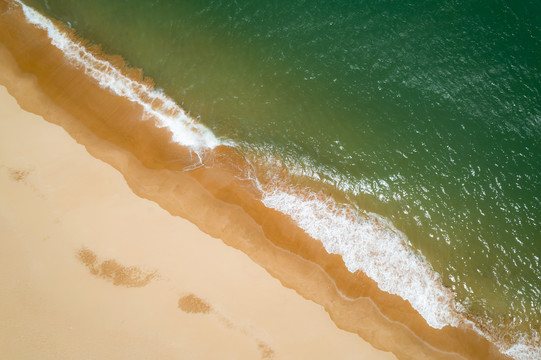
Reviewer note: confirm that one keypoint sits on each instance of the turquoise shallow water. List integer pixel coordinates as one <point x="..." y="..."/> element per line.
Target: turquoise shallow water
<point x="427" y="113"/>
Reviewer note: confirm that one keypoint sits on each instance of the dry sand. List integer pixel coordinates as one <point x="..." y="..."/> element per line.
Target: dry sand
<point x="89" y="270"/>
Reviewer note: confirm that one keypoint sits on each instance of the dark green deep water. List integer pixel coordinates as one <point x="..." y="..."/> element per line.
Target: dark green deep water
<point x="426" y="112"/>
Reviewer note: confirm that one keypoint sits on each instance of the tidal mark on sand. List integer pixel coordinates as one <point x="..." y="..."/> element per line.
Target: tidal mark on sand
<point x="120" y="275"/>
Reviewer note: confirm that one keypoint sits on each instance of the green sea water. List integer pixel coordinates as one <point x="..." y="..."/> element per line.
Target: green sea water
<point x="427" y="113"/>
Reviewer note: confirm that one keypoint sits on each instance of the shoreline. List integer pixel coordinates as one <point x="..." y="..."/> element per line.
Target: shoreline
<point x="111" y="129"/>
<point x="92" y="270"/>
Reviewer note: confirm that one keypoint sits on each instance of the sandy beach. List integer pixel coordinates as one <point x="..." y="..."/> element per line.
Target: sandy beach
<point x="90" y="270"/>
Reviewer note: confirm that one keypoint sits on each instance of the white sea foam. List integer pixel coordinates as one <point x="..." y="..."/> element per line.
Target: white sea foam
<point x="370" y="244"/>
<point x="525" y="347"/>
<point x="523" y="351"/>
<point x="185" y="131"/>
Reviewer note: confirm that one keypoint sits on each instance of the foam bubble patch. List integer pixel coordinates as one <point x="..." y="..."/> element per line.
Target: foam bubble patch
<point x="525" y="349"/>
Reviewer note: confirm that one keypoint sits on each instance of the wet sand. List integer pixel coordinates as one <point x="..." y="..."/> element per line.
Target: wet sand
<point x="90" y="270"/>
<point x="111" y="129"/>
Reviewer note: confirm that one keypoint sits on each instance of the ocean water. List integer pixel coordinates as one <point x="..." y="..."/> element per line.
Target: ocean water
<point x="397" y="123"/>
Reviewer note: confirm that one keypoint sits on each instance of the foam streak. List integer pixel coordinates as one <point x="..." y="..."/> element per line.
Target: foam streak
<point x="185" y="131"/>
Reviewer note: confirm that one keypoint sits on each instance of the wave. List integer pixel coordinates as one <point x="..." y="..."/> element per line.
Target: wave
<point x="370" y="243"/>
<point x="367" y="242"/>
<point x="185" y="131"/>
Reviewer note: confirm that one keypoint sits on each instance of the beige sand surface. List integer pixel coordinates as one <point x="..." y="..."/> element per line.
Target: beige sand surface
<point x="89" y="270"/>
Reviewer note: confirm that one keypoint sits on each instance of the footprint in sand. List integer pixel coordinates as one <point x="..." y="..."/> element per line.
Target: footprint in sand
<point x="193" y="304"/>
<point x="131" y="276"/>
<point x="120" y="275"/>
<point x="267" y="353"/>
<point x="21" y="176"/>
<point x="18" y="175"/>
